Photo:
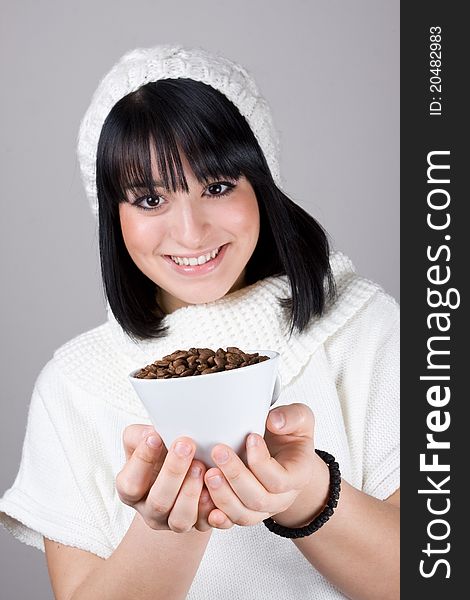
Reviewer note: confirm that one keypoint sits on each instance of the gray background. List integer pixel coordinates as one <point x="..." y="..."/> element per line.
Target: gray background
<point x="328" y="68"/>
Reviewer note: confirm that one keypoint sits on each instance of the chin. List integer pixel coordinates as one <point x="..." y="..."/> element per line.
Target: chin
<point x="204" y="296"/>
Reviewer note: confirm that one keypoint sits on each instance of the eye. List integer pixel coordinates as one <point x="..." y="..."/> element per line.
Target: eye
<point x="148" y="202"/>
<point x="215" y="188"/>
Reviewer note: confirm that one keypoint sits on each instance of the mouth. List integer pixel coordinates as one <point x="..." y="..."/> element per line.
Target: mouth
<point x="197" y="265"/>
<point x="195" y="260"/>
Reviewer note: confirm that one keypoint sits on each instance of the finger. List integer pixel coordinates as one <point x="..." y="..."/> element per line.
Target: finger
<point x="290" y="469"/>
<point x="228" y="502"/>
<point x="219" y="519"/>
<point x="242" y="481"/>
<point x="295" y="419"/>
<point x="204" y="509"/>
<point x="133" y="435"/>
<point x="163" y="493"/>
<point x="184" y="513"/>
<point x="272" y="475"/>
<point x="140" y="471"/>
<point x="245" y="483"/>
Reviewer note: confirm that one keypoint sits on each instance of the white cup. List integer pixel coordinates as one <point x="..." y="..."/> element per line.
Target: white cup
<point x="221" y="407"/>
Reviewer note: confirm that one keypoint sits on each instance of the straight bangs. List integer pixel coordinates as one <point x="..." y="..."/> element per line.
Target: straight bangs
<point x="173" y="116"/>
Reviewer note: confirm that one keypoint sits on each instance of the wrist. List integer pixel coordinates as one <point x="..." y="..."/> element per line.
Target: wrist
<point x="311" y="500"/>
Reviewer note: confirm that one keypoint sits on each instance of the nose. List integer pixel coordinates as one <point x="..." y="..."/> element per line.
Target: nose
<point x="190" y="223"/>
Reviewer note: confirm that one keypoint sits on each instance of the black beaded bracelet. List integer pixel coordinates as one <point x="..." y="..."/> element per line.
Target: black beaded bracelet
<point x="322" y="518"/>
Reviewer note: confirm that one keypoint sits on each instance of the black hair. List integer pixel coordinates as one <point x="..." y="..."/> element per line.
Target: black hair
<point x="189" y="116"/>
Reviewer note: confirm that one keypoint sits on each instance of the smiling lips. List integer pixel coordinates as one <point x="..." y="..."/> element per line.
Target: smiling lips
<point x="197" y="265"/>
<point x="195" y="260"/>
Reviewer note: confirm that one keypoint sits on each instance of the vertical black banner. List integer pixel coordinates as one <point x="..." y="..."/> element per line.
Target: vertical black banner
<point x="434" y="234"/>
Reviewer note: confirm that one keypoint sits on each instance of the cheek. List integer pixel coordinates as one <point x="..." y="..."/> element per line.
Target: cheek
<point x="138" y="233"/>
<point x="244" y="216"/>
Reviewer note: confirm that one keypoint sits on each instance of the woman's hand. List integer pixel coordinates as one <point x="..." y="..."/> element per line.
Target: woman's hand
<point x="165" y="487"/>
<point x="280" y="467"/>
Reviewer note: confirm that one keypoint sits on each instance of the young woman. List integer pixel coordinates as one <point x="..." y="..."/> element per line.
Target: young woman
<point x="200" y="247"/>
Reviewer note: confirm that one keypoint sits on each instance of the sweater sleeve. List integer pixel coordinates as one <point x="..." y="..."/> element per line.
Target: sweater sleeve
<point x="45" y="498"/>
<point x="381" y="458"/>
<point x="365" y="359"/>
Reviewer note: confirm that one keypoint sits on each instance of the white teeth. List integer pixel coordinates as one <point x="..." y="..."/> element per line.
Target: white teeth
<point x="200" y="260"/>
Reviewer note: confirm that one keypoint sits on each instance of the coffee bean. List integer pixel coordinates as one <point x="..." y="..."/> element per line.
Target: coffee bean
<point x="234" y="350"/>
<point x="206" y="371"/>
<point x="199" y="361"/>
<point x="234" y="359"/>
<point x="220" y="361"/>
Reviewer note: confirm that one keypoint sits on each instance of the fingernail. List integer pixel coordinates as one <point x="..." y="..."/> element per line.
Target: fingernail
<point x="278" y="419"/>
<point x="153" y="441"/>
<point x="195" y="471"/>
<point x="215" y="481"/>
<point x="221" y="455"/>
<point x="252" y="440"/>
<point x="182" y="449"/>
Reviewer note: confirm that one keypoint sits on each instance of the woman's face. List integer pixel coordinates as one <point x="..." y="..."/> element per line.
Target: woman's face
<point x="192" y="226"/>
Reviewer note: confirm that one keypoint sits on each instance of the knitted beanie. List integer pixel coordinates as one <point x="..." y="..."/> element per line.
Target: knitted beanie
<point x="142" y="65"/>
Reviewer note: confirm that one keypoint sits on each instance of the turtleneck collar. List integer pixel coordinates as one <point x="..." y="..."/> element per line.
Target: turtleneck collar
<point x="252" y="319"/>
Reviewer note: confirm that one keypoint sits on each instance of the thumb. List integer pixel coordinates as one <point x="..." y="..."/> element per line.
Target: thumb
<point x="295" y="419"/>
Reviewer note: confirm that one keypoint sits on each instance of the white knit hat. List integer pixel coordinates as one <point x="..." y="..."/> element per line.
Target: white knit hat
<point x="142" y="65"/>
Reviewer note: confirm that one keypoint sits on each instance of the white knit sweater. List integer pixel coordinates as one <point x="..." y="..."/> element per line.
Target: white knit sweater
<point x="345" y="367"/>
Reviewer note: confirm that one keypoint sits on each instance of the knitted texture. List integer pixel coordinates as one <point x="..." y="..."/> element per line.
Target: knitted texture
<point x="237" y="319"/>
<point x="344" y="367"/>
<point x="143" y="65"/>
